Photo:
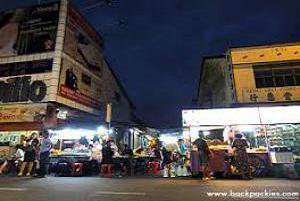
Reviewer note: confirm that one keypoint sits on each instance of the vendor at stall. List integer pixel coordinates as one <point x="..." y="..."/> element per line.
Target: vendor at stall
<point x="204" y="155"/>
<point x="241" y="159"/>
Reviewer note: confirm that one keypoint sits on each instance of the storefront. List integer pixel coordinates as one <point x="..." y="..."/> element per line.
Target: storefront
<point x="273" y="134"/>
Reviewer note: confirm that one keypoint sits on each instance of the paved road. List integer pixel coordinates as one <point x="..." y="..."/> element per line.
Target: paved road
<point x="135" y="189"/>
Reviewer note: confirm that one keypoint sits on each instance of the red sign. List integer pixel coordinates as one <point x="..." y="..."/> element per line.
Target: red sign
<point x="77" y="96"/>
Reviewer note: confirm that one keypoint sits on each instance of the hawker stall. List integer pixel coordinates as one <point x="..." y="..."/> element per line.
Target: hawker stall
<point x="71" y="153"/>
<point x="273" y="140"/>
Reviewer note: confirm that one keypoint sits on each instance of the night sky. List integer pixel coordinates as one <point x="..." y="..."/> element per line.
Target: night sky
<point x="156" y="46"/>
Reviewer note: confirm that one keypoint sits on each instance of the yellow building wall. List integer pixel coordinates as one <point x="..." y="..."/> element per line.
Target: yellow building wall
<point x="243" y="79"/>
<point x="242" y="60"/>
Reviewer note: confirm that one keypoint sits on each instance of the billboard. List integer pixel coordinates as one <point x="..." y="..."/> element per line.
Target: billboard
<point x="83" y="43"/>
<point x="29" y="30"/>
<point x="22" y="113"/>
<point x="23" y="89"/>
<point x="78" y="86"/>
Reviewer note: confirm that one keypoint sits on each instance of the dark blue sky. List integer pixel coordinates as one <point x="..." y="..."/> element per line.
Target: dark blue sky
<point x="156" y="46"/>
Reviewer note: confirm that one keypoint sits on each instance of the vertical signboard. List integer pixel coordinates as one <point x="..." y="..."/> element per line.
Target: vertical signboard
<point x="81" y="64"/>
<point x="83" y="43"/>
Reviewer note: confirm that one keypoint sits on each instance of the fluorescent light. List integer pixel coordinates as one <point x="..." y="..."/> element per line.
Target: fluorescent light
<point x="101" y="129"/>
<point x="241" y="116"/>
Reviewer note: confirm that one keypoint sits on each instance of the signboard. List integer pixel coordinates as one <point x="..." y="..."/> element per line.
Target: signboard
<point x="276" y="94"/>
<point x="21" y="89"/>
<point x="83" y="43"/>
<point x="78" y="86"/>
<point x="22" y="113"/>
<point x="28" y="30"/>
<point x="265" y="54"/>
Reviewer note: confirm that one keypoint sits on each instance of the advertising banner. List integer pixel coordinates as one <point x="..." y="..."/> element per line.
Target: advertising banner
<point x="22" y="113"/>
<point x="22" y="89"/>
<point x="28" y="30"/>
<point x="276" y="94"/>
<point x="83" y="43"/>
<point x="78" y="86"/>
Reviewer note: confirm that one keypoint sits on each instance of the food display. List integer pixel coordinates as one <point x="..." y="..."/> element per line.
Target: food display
<point x="286" y="135"/>
<point x="217" y="144"/>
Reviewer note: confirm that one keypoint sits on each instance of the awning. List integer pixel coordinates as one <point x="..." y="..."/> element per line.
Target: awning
<point x="241" y="116"/>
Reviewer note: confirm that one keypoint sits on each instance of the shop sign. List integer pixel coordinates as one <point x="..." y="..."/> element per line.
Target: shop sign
<point x="265" y="54"/>
<point x="276" y="94"/>
<point x="22" y="113"/>
<point x="77" y="96"/>
<point x="21" y="89"/>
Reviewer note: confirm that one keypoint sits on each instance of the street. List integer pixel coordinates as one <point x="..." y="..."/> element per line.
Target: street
<point x="113" y="189"/>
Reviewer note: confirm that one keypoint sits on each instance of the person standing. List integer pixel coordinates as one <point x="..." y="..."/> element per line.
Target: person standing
<point x="241" y="158"/>
<point x="128" y="164"/>
<point x="166" y="157"/>
<point x="96" y="157"/>
<point x="35" y="142"/>
<point x="107" y="160"/>
<point x="46" y="146"/>
<point x="29" y="158"/>
<point x="204" y="155"/>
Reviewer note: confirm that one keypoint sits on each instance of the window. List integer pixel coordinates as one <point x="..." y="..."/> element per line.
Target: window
<point x="279" y="75"/>
<point x="86" y="79"/>
<point x="25" y="68"/>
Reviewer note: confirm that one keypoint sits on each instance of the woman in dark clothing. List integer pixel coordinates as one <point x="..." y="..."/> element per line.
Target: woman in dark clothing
<point x="204" y="155"/>
<point x="29" y="158"/>
<point x="107" y="154"/>
<point x="241" y="159"/>
<point x="107" y="160"/>
<point x="167" y="160"/>
<point x="35" y="142"/>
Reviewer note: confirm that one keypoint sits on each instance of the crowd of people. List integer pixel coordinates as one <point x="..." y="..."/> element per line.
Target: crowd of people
<point x="32" y="157"/>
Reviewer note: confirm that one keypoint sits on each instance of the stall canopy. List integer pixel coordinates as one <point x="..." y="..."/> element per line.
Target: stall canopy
<point x="241" y="116"/>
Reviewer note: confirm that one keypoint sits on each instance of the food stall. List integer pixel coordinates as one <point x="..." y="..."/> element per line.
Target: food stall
<point x="273" y="137"/>
<point x="70" y="154"/>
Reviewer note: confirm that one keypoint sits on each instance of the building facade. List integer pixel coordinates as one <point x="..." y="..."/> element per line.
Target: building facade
<point x="249" y="76"/>
<point x="53" y="71"/>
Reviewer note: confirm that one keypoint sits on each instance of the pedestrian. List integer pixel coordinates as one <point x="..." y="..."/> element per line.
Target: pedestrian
<point x="96" y="156"/>
<point x="240" y="156"/>
<point x="45" y="149"/>
<point x="29" y="158"/>
<point x="204" y="155"/>
<point x="107" y="160"/>
<point x="166" y="157"/>
<point x="35" y="142"/>
<point x="128" y="164"/>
